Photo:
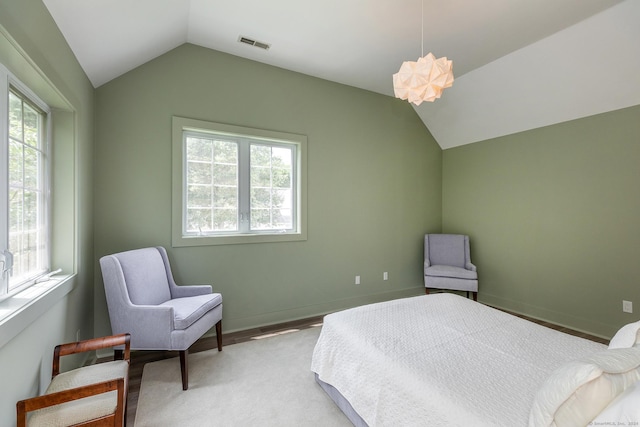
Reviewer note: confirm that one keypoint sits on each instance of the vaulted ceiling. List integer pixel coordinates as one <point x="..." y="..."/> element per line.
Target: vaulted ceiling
<point x="519" y="64"/>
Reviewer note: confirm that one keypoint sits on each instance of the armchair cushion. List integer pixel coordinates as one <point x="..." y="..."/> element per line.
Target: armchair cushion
<point x="450" y="271"/>
<point x="186" y="311"/>
<point x="447" y="249"/>
<point x="146" y="277"/>
<point x="80" y="410"/>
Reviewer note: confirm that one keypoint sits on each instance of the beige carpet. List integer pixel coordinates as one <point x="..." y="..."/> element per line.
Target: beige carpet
<point x="266" y="382"/>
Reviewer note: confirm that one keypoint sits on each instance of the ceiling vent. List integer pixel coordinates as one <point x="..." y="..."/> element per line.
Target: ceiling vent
<point x="255" y="43"/>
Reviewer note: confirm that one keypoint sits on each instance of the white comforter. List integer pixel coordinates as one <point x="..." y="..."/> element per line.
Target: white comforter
<point x="440" y="360"/>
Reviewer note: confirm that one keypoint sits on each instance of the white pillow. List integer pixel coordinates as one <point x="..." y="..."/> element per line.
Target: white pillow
<point x="627" y="336"/>
<point x="624" y="410"/>
<point x="578" y="391"/>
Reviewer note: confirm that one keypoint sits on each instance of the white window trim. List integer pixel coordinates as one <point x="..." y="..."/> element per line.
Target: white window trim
<point x="181" y="124"/>
<point x="18" y="310"/>
<point x="22" y="308"/>
<point x="8" y="81"/>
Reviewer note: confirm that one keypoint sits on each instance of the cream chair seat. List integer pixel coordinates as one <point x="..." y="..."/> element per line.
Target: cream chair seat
<point x="93" y="395"/>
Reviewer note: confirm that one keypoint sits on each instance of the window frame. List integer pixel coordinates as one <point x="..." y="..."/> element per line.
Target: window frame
<point x="10" y="84"/>
<point x="182" y="126"/>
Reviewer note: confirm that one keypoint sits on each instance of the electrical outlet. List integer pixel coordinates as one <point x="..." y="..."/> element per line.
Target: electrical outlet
<point x="385" y="276"/>
<point x="357" y="280"/>
<point x="627" y="306"/>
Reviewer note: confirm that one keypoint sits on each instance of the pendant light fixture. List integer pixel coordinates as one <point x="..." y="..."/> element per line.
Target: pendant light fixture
<point x="424" y="79"/>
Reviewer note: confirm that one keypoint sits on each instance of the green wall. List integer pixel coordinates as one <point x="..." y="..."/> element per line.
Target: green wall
<point x="553" y="217"/>
<point x="374" y="185"/>
<point x="34" y="50"/>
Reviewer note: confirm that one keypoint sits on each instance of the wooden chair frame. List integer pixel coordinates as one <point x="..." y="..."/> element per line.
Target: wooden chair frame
<point x="116" y="419"/>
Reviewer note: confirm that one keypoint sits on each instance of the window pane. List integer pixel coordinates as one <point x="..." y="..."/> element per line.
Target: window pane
<point x="225" y="174"/>
<point x="225" y="219"/>
<point x="212" y="185"/>
<point x="282" y="218"/>
<point x="226" y="152"/>
<point x="260" y="197"/>
<point x="15" y="117"/>
<point x="15" y="240"/>
<point x="31" y="125"/>
<point x="31" y="251"/>
<point x="261" y="219"/>
<point x="282" y="199"/>
<point x="271" y="187"/>
<point x="16" y="210"/>
<point x="27" y="232"/>
<point x="31" y="168"/>
<point x="281" y="178"/>
<point x="260" y="176"/>
<point x="199" y="149"/>
<point x="225" y="197"/>
<point x="199" y="173"/>
<point x="199" y="220"/>
<point x="282" y="156"/>
<point x="16" y="163"/>
<point x="199" y="196"/>
<point x="30" y="218"/>
<point x="260" y="155"/>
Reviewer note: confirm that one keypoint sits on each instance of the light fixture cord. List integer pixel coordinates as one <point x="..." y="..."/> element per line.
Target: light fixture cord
<point x="422" y="34"/>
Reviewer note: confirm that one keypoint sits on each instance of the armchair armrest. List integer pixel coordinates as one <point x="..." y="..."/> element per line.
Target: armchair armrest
<point x="190" y="291"/>
<point x="90" y="345"/>
<point x="57" y="398"/>
<point x="151" y="325"/>
<point x="427" y="260"/>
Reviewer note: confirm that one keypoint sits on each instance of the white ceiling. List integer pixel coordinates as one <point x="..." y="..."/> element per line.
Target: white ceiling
<point x="362" y="43"/>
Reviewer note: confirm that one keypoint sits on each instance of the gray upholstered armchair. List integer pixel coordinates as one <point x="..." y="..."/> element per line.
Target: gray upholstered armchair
<point x="144" y="301"/>
<point x="447" y="264"/>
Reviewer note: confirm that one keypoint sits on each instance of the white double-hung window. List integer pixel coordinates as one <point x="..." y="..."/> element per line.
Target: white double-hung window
<point x="236" y="185"/>
<point x="24" y="192"/>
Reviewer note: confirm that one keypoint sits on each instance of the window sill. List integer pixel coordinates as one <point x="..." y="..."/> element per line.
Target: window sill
<point x="20" y="310"/>
<point x="180" y="241"/>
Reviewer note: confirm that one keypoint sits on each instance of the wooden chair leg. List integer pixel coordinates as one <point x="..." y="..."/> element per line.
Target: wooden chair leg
<point x="184" y="368"/>
<point x="219" y="334"/>
<point x="475" y="296"/>
<point x="426" y="291"/>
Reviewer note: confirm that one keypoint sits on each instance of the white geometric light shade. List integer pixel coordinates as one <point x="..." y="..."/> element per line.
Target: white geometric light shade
<point x="423" y="80"/>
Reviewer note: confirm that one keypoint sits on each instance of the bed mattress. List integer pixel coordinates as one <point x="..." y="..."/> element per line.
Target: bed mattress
<point x="440" y="360"/>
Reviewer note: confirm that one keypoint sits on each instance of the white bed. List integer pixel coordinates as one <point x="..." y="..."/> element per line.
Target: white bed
<point x="443" y="360"/>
